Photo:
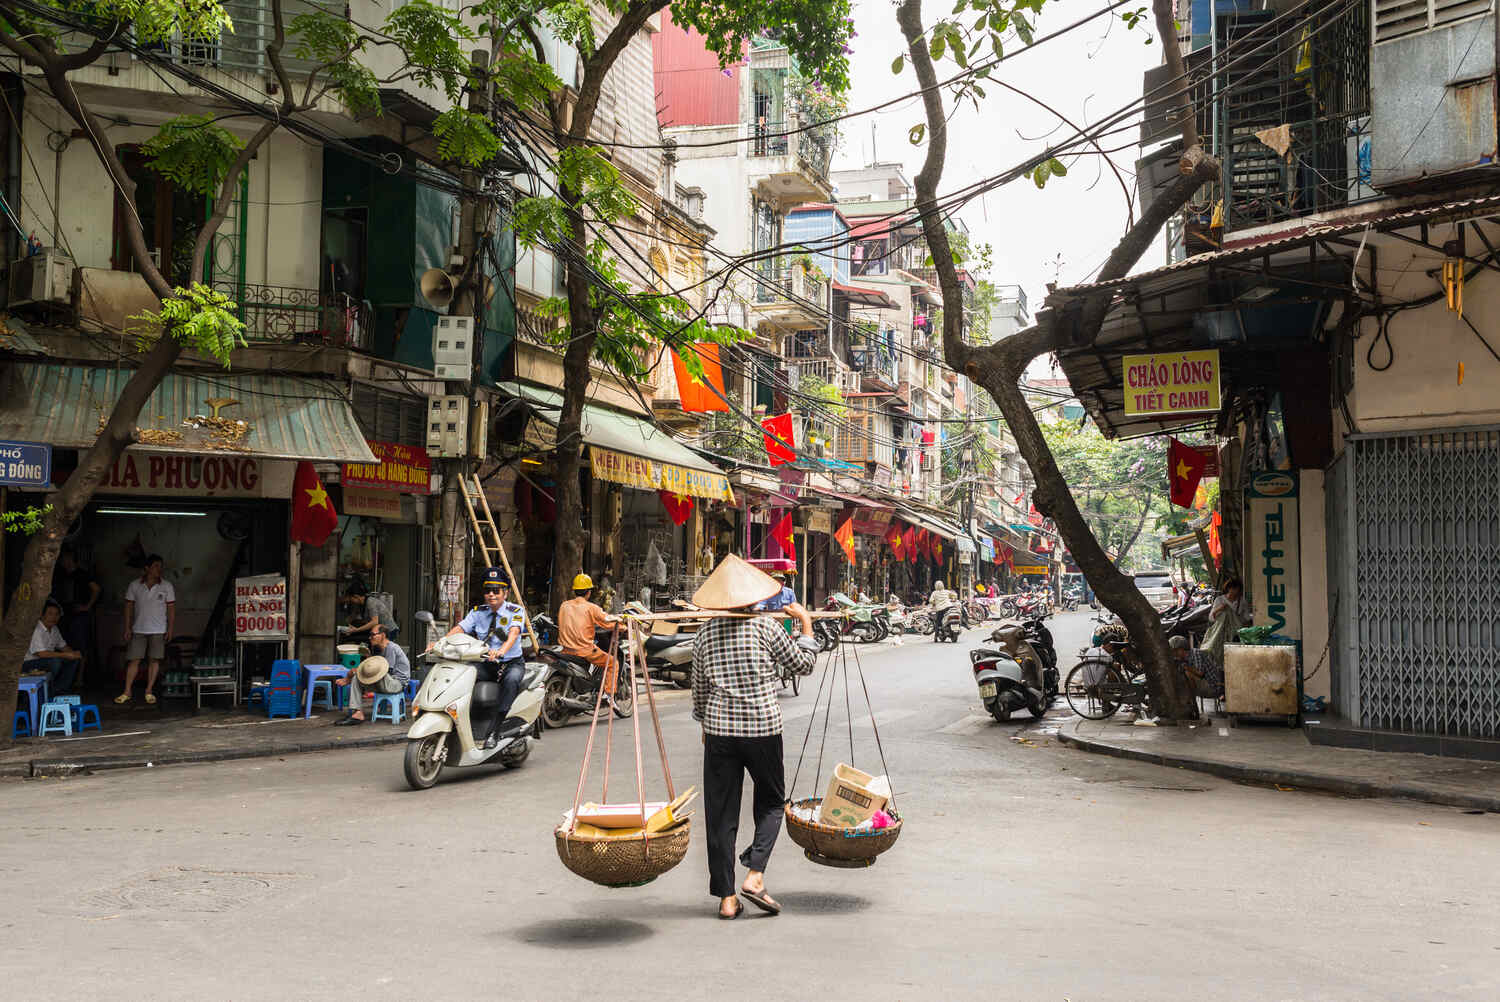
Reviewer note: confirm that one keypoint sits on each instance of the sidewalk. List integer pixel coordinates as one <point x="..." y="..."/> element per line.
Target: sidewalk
<point x="1275" y="754"/>
<point x="142" y="737"/>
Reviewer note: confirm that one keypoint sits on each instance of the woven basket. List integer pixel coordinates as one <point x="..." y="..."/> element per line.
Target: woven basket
<point x="623" y="862"/>
<point x="844" y="845"/>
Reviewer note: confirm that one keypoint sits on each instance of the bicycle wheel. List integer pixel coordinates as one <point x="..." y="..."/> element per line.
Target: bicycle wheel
<point x="1093" y="690"/>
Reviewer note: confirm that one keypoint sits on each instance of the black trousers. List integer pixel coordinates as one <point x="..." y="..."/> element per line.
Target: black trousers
<point x="510" y="675"/>
<point x="725" y="762"/>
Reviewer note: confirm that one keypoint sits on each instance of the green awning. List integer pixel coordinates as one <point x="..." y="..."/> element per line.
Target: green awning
<point x="628" y="450"/>
<point x="288" y="417"/>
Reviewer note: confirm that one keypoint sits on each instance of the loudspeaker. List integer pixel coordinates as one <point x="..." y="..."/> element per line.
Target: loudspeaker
<point x="438" y="287"/>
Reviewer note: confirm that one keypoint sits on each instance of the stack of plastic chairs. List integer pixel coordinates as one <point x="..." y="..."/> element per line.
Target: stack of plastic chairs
<point x="281" y="697"/>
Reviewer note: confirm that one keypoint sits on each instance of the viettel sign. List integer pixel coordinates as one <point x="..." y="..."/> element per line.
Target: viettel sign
<point x="1184" y="382"/>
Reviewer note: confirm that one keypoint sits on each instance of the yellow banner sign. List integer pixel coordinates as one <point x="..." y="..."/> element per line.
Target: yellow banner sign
<point x="1183" y="382"/>
<point x="649" y="475"/>
<point x="1039" y="569"/>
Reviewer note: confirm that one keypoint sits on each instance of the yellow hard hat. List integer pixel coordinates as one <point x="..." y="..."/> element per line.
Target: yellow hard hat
<point x="583" y="583"/>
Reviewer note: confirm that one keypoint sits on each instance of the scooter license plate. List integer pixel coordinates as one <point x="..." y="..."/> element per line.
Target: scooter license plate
<point x="987" y="690"/>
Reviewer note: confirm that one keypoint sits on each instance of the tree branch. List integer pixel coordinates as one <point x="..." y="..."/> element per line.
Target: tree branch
<point x="597" y="66"/>
<point x="225" y="199"/>
<point x="554" y="107"/>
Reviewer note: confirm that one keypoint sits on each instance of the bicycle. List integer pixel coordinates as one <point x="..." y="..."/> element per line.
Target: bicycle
<point x="1097" y="686"/>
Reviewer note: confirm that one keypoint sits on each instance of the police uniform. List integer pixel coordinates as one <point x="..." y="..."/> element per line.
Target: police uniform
<point x="493" y="626"/>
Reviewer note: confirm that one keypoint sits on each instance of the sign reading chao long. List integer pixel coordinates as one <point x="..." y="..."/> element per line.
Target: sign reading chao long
<point x="1184" y="382"/>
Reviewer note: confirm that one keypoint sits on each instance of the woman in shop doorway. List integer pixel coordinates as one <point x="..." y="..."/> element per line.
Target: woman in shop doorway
<point x="150" y="615"/>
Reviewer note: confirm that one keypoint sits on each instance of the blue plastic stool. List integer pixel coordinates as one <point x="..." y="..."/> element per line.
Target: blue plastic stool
<point x="412" y="687"/>
<point x="390" y="706"/>
<point x="81" y="714"/>
<point x="21" y="728"/>
<point x="57" y="718"/>
<point x="70" y="700"/>
<point x="330" y="701"/>
<point x="258" y="693"/>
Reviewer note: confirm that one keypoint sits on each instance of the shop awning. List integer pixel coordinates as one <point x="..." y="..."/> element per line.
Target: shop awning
<point x="288" y="417"/>
<point x="928" y="522"/>
<point x="630" y="451"/>
<point x="861" y="296"/>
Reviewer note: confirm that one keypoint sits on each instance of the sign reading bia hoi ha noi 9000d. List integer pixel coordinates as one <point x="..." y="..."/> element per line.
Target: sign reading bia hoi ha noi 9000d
<point x="1184" y="382"/>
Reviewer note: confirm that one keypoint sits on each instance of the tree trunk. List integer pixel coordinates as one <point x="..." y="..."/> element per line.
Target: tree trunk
<point x="998" y="368"/>
<point x="567" y="551"/>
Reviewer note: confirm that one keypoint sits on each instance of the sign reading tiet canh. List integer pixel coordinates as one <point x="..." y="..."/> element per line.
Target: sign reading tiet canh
<point x="1183" y="382"/>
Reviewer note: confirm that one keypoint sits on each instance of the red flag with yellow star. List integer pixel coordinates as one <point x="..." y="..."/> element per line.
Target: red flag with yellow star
<point x="782" y="532"/>
<point x="679" y="506"/>
<point x="844" y="535"/>
<point x="1185" y="467"/>
<point x="313" y="517"/>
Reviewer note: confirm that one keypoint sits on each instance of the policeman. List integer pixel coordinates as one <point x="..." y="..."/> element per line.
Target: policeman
<point x="499" y="624"/>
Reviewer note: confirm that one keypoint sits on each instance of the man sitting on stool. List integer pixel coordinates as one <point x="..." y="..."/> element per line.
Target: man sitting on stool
<point x="50" y="654"/>
<point x="387" y="671"/>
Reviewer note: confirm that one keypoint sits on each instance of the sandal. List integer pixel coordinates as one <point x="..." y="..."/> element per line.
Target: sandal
<point x="734" y="914"/>
<point x="761" y="900"/>
<point x="123" y="698"/>
<point x="150" y="697"/>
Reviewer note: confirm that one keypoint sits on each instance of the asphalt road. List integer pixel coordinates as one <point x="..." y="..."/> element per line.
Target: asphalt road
<point x="1026" y="870"/>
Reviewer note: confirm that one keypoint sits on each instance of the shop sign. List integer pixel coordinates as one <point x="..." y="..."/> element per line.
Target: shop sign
<point x="1029" y="569"/>
<point x="183" y="474"/>
<point x="819" y="520"/>
<point x="372" y="503"/>
<point x="1273" y="552"/>
<point x="405" y="468"/>
<point x="260" y="607"/>
<point x="1183" y="382"/>
<point x="25" y="464"/>
<point x="648" y="475"/>
<point x="871" y="521"/>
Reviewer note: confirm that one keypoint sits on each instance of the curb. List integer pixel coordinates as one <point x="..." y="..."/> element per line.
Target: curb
<point x="1288" y="777"/>
<point x="40" y="768"/>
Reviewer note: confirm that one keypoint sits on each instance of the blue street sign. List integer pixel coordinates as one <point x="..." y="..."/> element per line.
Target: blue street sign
<point x="25" y="464"/>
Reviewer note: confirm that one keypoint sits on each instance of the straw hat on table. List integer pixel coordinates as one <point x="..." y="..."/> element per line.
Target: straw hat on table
<point x="735" y="584"/>
<point x="372" y="670"/>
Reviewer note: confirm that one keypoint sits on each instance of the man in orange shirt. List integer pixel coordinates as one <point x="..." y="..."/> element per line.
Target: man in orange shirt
<point x="577" y="619"/>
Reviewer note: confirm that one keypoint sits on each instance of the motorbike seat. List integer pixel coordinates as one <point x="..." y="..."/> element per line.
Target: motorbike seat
<point x="1007" y="633"/>
<point x="574" y="659"/>
<point x="656" y="644"/>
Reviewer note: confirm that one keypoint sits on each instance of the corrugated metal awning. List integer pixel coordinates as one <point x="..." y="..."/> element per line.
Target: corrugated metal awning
<point x="289" y="417"/>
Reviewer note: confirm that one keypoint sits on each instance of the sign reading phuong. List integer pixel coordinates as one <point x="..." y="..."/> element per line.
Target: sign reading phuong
<point x="1186" y="382"/>
<point x="1273" y="553"/>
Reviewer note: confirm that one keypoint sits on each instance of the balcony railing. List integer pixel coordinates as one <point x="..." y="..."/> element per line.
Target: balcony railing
<point x="875" y="364"/>
<point x="244" y="48"/>
<point x="793" y="284"/>
<point x="288" y="315"/>
<point x="813" y="146"/>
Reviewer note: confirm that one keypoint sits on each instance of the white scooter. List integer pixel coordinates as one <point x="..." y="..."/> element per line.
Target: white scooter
<point x="452" y="704"/>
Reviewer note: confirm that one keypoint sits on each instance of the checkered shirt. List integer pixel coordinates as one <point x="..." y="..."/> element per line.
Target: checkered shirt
<point x="735" y="677"/>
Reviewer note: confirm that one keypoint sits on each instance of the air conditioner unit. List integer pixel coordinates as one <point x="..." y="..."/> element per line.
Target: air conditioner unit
<point x="448" y="427"/>
<point x="453" y="348"/>
<point x="43" y="277"/>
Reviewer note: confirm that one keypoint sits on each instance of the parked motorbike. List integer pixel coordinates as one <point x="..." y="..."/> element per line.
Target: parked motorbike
<point x="950" y="624"/>
<point x="1020" y="671"/>
<point x="865" y="622"/>
<point x="669" y="656"/>
<point x="573" y="686"/>
<point x="453" y="712"/>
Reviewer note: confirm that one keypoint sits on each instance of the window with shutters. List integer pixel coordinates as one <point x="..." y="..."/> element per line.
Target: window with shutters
<point x="1398" y="18"/>
<point x="390" y="417"/>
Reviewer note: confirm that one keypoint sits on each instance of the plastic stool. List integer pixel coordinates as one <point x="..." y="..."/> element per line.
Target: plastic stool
<point x="390" y="706"/>
<point x="258" y="693"/>
<point x="413" y="686"/>
<point x="331" y="700"/>
<point x="21" y="728"/>
<point x="57" y="718"/>
<point x="81" y="714"/>
<point x="70" y="700"/>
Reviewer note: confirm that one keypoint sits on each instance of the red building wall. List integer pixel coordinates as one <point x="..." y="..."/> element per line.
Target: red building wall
<point x="691" y="89"/>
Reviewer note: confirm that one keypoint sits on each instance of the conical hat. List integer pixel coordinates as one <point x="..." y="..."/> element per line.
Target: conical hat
<point x="735" y="584"/>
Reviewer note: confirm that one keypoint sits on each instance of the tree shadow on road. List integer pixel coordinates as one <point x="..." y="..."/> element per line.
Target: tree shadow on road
<point x="583" y="933"/>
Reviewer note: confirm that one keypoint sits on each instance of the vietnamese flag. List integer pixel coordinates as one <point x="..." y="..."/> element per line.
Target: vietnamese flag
<point x="1185" y="466"/>
<point x="679" y="506"/>
<point x="313" y="517"/>
<point x="909" y="543"/>
<point x="937" y="550"/>
<point x="1215" y="543"/>
<point x="781" y="427"/>
<point x="893" y="540"/>
<point x="697" y="394"/>
<point x="782" y="533"/>
<point x="845" y="536"/>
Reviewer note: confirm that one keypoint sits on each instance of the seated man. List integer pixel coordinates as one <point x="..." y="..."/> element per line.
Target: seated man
<point x="498" y="623"/>
<point x="781" y="599"/>
<point x="48" y="653"/>
<point x="369" y="611"/>
<point x="393" y="681"/>
<point x="1202" y="673"/>
<point x="577" y="620"/>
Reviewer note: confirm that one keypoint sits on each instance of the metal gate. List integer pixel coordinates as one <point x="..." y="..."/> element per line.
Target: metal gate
<point x="1418" y="584"/>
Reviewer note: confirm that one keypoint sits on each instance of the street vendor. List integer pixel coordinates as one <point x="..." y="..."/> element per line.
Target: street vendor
<point x="577" y="621"/>
<point x="498" y="623"/>
<point x="736" y="676"/>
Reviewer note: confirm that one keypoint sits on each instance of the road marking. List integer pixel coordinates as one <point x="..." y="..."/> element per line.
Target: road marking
<point x="965" y="725"/>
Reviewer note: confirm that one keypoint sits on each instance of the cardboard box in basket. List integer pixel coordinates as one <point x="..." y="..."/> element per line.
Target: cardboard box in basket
<point x="849" y="800"/>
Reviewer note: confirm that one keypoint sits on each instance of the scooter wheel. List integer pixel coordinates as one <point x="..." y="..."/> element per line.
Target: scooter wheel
<point x="423" y="761"/>
<point x="514" y="760"/>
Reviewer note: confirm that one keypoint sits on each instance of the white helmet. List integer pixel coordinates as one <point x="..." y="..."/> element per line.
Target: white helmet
<point x="938" y="586"/>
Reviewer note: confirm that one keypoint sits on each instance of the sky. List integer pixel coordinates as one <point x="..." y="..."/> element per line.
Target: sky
<point x="1085" y="74"/>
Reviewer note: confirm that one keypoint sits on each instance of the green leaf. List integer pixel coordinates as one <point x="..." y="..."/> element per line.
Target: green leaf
<point x="1023" y="28"/>
<point x="916" y="133"/>
<point x="193" y="152"/>
<point x="937" y="46"/>
<point x="898" y="63"/>
<point x="1056" y="168"/>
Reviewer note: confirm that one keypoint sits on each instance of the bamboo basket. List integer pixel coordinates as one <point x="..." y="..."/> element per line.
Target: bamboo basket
<point x="623" y="862"/>
<point x="843" y="847"/>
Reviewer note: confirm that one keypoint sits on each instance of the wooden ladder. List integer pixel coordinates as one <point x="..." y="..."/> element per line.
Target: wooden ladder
<point x="491" y="545"/>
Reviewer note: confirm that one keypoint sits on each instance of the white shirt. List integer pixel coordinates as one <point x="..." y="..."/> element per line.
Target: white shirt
<point x="44" y="640"/>
<point x="150" y="605"/>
